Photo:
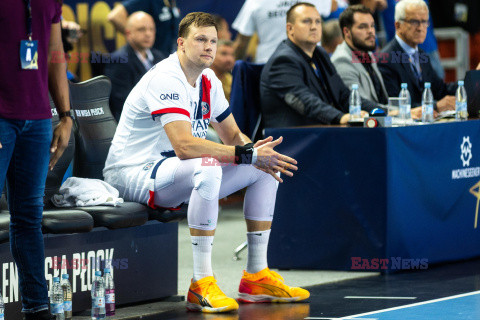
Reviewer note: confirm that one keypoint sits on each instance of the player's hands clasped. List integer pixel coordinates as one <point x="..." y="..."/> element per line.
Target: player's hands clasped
<point x="270" y="161"/>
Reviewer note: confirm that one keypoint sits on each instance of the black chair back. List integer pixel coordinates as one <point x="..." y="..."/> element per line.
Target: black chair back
<point x="96" y="126"/>
<point x="245" y="98"/>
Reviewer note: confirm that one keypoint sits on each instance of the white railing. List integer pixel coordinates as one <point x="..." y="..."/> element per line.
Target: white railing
<point x="461" y="61"/>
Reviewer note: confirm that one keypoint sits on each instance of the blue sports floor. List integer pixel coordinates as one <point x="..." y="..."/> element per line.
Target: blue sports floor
<point x="441" y="292"/>
<point x="464" y="306"/>
<point x="445" y="292"/>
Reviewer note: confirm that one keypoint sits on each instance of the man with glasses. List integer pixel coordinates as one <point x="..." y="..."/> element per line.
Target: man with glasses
<point x="403" y="62"/>
<point x="430" y="45"/>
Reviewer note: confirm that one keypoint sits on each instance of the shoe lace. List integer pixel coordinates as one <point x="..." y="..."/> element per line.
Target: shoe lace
<point x="214" y="289"/>
<point x="276" y="276"/>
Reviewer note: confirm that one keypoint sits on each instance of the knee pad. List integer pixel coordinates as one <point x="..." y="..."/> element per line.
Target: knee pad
<point x="207" y="181"/>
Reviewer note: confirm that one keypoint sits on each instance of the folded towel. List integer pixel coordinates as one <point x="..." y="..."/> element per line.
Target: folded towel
<point x="81" y="192"/>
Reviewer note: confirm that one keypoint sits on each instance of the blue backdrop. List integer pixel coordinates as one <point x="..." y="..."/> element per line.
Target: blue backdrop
<point x="376" y="194"/>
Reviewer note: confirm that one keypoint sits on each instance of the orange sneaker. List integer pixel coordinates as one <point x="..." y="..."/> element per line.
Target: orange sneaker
<point x="204" y="295"/>
<point x="267" y="286"/>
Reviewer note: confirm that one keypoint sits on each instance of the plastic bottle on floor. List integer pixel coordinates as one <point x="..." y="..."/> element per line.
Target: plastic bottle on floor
<point x="2" y="307"/>
<point x="56" y="300"/>
<point x="98" y="297"/>
<point x="109" y="293"/>
<point x="67" y="296"/>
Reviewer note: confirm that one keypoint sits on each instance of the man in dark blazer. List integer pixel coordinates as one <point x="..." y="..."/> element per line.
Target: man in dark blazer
<point x="129" y="63"/>
<point x="402" y="61"/>
<point x="299" y="85"/>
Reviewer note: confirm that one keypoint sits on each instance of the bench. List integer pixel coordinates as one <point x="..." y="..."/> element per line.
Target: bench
<point x="131" y="230"/>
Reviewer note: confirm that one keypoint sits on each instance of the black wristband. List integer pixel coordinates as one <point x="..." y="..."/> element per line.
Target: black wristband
<point x="244" y="154"/>
<point x="65" y="114"/>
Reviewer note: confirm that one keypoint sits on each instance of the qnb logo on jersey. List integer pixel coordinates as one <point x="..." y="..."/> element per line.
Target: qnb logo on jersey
<point x="169" y="96"/>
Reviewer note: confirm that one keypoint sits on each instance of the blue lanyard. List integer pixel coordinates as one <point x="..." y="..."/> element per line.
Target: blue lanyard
<point x="28" y="15"/>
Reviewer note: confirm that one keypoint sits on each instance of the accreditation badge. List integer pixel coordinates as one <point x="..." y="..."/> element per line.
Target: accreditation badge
<point x="29" y="54"/>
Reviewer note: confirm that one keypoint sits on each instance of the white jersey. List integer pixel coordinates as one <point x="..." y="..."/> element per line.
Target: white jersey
<point x="162" y="95"/>
<point x="268" y="18"/>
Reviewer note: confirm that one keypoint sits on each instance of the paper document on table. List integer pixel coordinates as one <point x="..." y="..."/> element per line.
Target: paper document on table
<point x="445" y="114"/>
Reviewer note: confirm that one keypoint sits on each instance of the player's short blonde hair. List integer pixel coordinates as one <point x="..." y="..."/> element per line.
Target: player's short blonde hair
<point x="197" y="19"/>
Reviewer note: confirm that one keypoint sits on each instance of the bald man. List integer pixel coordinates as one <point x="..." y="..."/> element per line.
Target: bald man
<point x="129" y="63"/>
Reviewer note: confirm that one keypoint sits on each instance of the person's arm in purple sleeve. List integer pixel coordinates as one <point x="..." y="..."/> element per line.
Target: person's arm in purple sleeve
<point x="58" y="87"/>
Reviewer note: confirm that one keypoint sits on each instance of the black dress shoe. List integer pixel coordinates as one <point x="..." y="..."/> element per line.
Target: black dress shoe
<point x="40" y="315"/>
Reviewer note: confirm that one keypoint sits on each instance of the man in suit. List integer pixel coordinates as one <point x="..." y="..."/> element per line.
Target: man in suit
<point x="129" y="63"/>
<point x="299" y="85"/>
<point x="403" y="62"/>
<point x="353" y="58"/>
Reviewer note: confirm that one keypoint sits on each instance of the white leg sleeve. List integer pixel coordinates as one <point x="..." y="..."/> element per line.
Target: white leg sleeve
<point x="203" y="205"/>
<point x="261" y="190"/>
<point x="174" y="182"/>
<point x="179" y="181"/>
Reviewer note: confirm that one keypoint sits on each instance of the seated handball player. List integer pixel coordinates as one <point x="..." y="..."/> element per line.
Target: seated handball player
<point x="159" y="156"/>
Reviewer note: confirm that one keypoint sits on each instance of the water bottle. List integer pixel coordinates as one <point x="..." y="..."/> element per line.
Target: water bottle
<point x="405" y="103"/>
<point x="56" y="300"/>
<point x="2" y="307"/>
<point x="67" y="297"/>
<point x="427" y="104"/>
<point x="355" y="104"/>
<point x="461" y="112"/>
<point x="98" y="297"/>
<point x="109" y="293"/>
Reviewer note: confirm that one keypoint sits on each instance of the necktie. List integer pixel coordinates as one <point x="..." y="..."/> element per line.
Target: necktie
<point x="376" y="81"/>
<point x="414" y="63"/>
